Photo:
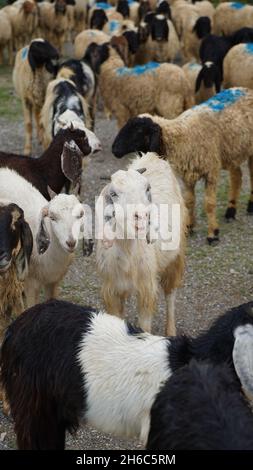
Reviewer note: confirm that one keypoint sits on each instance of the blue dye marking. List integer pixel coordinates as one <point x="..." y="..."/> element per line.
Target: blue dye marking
<point x="24" y="53"/>
<point x="103" y="6"/>
<point x="194" y="65"/>
<point x="237" y="5"/>
<point x="249" y="47"/>
<point x="223" y="99"/>
<point x="138" y="69"/>
<point x="131" y="1"/>
<point x="113" y="26"/>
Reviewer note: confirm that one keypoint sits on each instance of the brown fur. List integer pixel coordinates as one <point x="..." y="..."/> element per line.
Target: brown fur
<point x="164" y="91"/>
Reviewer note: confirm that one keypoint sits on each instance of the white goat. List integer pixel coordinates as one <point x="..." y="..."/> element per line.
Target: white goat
<point x="55" y="226"/>
<point x="134" y="265"/>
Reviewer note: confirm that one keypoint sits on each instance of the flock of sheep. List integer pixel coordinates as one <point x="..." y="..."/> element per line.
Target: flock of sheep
<point x="62" y="363"/>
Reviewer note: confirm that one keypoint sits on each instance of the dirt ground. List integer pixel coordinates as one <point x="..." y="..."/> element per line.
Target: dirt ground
<point x="216" y="277"/>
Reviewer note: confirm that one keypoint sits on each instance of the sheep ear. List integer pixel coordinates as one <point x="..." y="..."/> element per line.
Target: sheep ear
<point x="51" y="193"/>
<point x="43" y="237"/>
<point x="198" y="81"/>
<point x="243" y="357"/>
<point x="24" y="255"/>
<point x="121" y="45"/>
<point x="156" y="140"/>
<point x="71" y="162"/>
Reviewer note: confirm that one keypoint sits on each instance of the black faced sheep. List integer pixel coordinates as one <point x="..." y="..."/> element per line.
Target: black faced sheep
<point x="35" y="66"/>
<point x="217" y="124"/>
<point x="62" y="364"/>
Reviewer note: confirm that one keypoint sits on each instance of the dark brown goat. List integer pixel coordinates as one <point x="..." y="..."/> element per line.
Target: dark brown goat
<point x="59" y="165"/>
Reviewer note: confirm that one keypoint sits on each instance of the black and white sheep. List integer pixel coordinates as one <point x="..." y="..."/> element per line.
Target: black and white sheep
<point x="201" y="408"/>
<point x="93" y="367"/>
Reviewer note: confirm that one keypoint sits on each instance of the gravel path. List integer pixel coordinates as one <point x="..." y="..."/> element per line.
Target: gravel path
<point x="216" y="278"/>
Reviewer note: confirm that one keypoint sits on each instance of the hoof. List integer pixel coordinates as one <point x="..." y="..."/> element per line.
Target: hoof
<point x="250" y="207"/>
<point x="215" y="239"/>
<point x="230" y="213"/>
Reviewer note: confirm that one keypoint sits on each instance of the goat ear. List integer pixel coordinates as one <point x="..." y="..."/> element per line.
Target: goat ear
<point x="24" y="255"/>
<point x="43" y="237"/>
<point x="243" y="357"/>
<point x="51" y="193"/>
<point x="71" y="162"/>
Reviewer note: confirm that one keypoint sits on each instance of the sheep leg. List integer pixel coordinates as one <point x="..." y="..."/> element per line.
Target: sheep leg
<point x="171" y="279"/>
<point x="32" y="292"/>
<point x="210" y="208"/>
<point x="27" y="110"/>
<point x="146" y="308"/>
<point x="234" y="191"/>
<point x="10" y="52"/>
<point x="250" y="203"/>
<point x="1" y="55"/>
<point x="170" y="319"/>
<point x="189" y="197"/>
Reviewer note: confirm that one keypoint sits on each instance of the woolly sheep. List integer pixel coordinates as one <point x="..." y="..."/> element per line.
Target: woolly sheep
<point x="231" y="16"/>
<point x="33" y="69"/>
<point x="198" y="144"/>
<point x="55" y="226"/>
<point x="205" y="80"/>
<point x="24" y="18"/>
<point x="156" y="88"/>
<point x="102" y="370"/>
<point x="54" y="22"/>
<point x="85" y="38"/>
<point x="131" y="265"/>
<point x="164" y="43"/>
<point x="238" y="66"/>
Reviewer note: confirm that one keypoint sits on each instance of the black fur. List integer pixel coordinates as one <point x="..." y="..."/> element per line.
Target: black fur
<point x="250" y="207"/>
<point x="98" y="19"/>
<point x="79" y="77"/>
<point x="201" y="408"/>
<point x="164" y="9"/>
<point x="14" y="230"/>
<point x="123" y="8"/>
<point x="230" y="213"/>
<point x="96" y="55"/>
<point x="143" y="9"/>
<point x="133" y="41"/>
<point x="202" y="27"/>
<point x="159" y="29"/>
<point x="43" y="53"/>
<point x="242" y="35"/>
<point x="134" y="331"/>
<point x="45" y="386"/>
<point x="140" y="134"/>
<point x="210" y="76"/>
<point x="63" y="92"/>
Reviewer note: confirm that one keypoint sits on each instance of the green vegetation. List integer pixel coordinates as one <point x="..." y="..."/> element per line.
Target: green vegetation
<point x="10" y="105"/>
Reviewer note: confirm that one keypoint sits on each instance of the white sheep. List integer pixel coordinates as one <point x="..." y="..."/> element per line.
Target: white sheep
<point x="132" y="265"/>
<point x="55" y="226"/>
<point x="238" y="66"/>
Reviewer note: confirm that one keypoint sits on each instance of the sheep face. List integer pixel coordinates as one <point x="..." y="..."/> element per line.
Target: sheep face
<point x="98" y="19"/>
<point x="123" y="8"/>
<point x="143" y="9"/>
<point x="96" y="55"/>
<point x="202" y="27"/>
<point x="139" y="134"/>
<point x="133" y="41"/>
<point x="65" y="214"/>
<point x="41" y="52"/>
<point x="16" y="241"/>
<point x="164" y="9"/>
<point x="160" y="28"/>
<point x="127" y="206"/>
<point x="210" y="75"/>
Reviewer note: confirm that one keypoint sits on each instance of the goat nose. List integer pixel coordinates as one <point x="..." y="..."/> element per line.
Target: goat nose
<point x="97" y="148"/>
<point x="71" y="244"/>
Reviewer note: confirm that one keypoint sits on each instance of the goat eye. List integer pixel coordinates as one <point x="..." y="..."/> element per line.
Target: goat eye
<point x="113" y="194"/>
<point x="80" y="215"/>
<point x="53" y="217"/>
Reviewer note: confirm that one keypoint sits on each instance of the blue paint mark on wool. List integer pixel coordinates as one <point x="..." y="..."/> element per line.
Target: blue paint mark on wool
<point x="103" y="6"/>
<point x="113" y="26"/>
<point x="237" y="5"/>
<point x="131" y="1"/>
<point x="249" y="47"/>
<point x="24" y="53"/>
<point x="194" y="65"/>
<point x="223" y="99"/>
<point x="138" y="69"/>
